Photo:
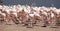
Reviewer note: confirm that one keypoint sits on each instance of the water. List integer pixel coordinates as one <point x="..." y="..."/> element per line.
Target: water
<point x="46" y="3"/>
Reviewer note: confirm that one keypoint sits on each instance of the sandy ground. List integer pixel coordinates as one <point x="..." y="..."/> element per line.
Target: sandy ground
<point x="19" y="27"/>
<point x="14" y="27"/>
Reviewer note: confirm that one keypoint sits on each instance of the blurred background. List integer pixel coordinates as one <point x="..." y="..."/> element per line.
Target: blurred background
<point x="46" y="3"/>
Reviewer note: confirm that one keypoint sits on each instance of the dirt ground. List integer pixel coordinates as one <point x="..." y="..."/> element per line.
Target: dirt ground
<point x="19" y="27"/>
